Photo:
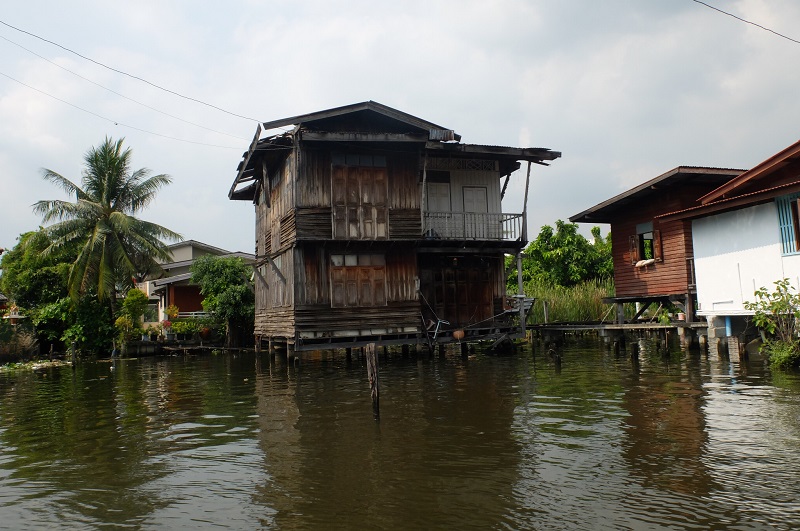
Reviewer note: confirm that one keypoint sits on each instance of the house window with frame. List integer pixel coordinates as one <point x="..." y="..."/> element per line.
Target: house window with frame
<point x="789" y="222"/>
<point x="359" y="197"/>
<point x="358" y="280"/>
<point x="645" y="245"/>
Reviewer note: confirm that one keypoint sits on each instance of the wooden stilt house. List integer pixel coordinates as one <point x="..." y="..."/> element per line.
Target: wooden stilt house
<point x="375" y="226"/>
<point x="653" y="257"/>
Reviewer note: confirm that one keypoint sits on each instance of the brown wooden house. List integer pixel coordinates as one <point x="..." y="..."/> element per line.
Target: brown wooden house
<point x="375" y="226"/>
<point x="653" y="258"/>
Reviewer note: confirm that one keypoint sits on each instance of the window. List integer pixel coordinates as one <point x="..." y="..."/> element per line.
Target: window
<point x="358" y="280"/>
<point x="789" y="221"/>
<point x="645" y="244"/>
<point x="359" y="197"/>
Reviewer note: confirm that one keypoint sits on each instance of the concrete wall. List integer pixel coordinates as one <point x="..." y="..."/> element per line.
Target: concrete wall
<point x="736" y="253"/>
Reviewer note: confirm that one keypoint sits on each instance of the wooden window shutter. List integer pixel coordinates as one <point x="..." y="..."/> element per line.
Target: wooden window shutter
<point x="633" y="244"/>
<point x="657" y="253"/>
<point x="796" y="224"/>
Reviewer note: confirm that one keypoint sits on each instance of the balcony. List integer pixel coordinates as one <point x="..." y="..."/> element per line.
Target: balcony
<point x="473" y="226"/>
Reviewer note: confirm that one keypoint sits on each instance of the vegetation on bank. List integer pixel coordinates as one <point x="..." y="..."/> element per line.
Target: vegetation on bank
<point x="777" y="315"/>
<point x="67" y="277"/>
<point x="578" y="303"/>
<point x="564" y="269"/>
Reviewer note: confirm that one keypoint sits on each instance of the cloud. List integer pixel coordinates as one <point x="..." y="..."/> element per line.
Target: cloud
<point x="625" y="90"/>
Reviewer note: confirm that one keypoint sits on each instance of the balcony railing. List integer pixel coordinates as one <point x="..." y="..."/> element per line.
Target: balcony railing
<point x="193" y="315"/>
<point x="472" y="226"/>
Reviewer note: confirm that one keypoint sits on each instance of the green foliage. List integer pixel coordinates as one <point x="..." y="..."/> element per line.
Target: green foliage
<point x="563" y="257"/>
<point x="776" y="313"/>
<point x="37" y="281"/>
<point x="186" y="326"/>
<point x="227" y="290"/>
<point x="112" y="247"/>
<point x="580" y="303"/>
<point x="135" y="304"/>
<point x="226" y="287"/>
<point x="31" y="278"/>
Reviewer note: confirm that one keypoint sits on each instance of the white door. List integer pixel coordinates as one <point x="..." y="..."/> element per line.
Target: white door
<point x="440" y="217"/>
<point x="475" y="209"/>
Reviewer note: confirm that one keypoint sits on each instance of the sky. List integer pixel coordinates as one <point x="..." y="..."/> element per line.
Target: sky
<point x="625" y="89"/>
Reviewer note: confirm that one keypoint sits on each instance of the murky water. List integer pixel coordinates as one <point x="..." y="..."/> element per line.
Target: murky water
<point x="518" y="442"/>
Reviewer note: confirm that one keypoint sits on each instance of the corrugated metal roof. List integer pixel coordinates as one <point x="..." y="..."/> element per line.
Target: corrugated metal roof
<point x="597" y="213"/>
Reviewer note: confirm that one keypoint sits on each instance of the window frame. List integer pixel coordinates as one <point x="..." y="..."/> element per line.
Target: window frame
<point x="350" y="272"/>
<point x="788" y="208"/>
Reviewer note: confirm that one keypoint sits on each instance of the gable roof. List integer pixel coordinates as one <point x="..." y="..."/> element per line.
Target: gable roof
<point x="768" y="167"/>
<point x="366" y="122"/>
<point x="436" y="132"/>
<point x="603" y="212"/>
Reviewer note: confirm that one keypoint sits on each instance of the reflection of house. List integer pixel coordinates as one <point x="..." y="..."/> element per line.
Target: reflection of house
<point x="746" y="235"/>
<point x="653" y="256"/>
<point x="371" y="222"/>
<point x="174" y="286"/>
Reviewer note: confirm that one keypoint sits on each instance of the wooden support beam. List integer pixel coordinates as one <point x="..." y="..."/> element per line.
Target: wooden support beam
<point x="505" y="185"/>
<point x="276" y="268"/>
<point x="374" y="382"/>
<point x="525" y="205"/>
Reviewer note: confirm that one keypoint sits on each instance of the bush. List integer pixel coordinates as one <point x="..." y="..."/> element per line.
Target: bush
<point x="777" y="314"/>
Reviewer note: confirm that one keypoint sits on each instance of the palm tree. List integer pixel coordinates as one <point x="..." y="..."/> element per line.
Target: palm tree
<point x="112" y="245"/>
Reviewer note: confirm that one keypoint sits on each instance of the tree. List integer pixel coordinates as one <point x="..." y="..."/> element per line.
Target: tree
<point x="37" y="283"/>
<point x="227" y="292"/>
<point x="563" y="257"/>
<point x="112" y="245"/>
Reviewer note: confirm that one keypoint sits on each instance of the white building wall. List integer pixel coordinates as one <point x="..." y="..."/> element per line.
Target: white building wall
<point x="736" y="253"/>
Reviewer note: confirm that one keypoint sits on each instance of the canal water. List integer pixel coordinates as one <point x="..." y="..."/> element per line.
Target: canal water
<point x="597" y="441"/>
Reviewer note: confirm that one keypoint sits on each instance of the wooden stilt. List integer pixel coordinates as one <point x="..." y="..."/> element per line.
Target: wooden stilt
<point x="372" y="374"/>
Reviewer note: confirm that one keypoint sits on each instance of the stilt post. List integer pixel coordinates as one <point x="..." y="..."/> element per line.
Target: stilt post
<point x="374" y="383"/>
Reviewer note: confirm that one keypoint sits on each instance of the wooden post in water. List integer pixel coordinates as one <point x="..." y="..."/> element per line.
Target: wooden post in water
<point x="372" y="374"/>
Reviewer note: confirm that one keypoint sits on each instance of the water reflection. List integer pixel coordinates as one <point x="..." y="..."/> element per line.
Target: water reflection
<point x="443" y="446"/>
<point x="675" y="440"/>
<point x="665" y="431"/>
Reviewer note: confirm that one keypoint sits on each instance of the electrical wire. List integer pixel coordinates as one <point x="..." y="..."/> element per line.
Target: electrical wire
<point x="118" y="94"/>
<point x="747" y="21"/>
<point x="115" y="122"/>
<point x="129" y="75"/>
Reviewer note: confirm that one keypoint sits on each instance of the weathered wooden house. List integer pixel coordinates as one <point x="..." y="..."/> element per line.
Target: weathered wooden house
<point x="375" y="226"/>
<point x="653" y="257"/>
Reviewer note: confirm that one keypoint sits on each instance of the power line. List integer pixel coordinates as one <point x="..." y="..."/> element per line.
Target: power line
<point x="747" y="21"/>
<point x="115" y="122"/>
<point x="118" y="94"/>
<point x="129" y="75"/>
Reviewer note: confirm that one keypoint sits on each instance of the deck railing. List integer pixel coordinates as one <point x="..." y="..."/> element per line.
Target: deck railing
<point x="193" y="315"/>
<point x="472" y="226"/>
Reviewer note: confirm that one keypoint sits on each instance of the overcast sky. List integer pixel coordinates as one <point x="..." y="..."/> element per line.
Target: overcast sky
<point x="625" y="89"/>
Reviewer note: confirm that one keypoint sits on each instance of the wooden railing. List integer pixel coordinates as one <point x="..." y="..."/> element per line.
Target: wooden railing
<point x="472" y="226"/>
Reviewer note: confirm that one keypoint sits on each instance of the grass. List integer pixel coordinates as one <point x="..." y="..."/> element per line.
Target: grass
<point x="580" y="303"/>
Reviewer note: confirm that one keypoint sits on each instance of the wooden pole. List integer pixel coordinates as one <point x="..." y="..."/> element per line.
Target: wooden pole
<point x="424" y="191"/>
<point x="521" y="298"/>
<point x="525" y="206"/>
<point x="374" y="384"/>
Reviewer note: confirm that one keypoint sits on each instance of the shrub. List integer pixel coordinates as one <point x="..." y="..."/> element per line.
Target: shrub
<point x="777" y="315"/>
